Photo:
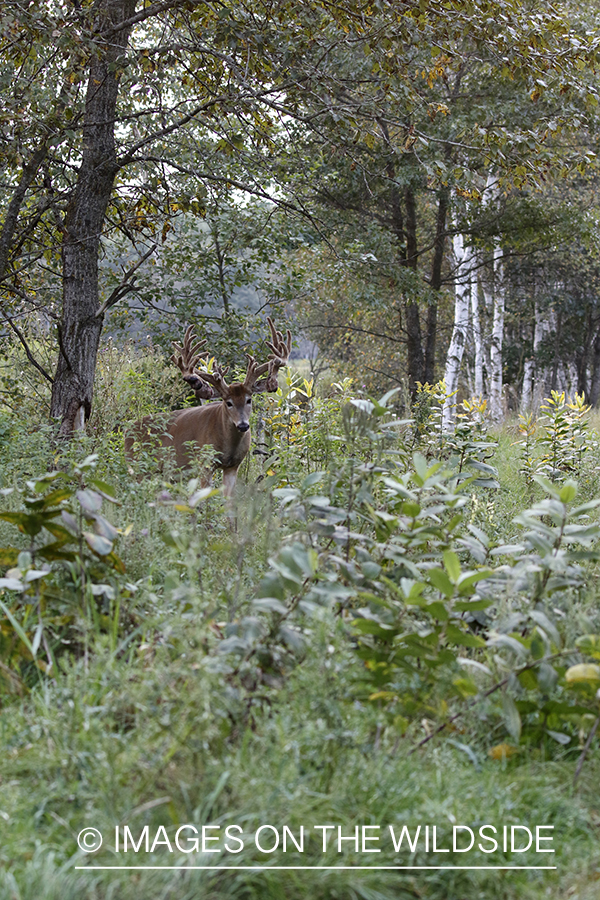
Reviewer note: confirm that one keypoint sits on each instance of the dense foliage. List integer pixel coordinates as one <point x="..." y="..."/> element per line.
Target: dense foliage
<point x="394" y="602"/>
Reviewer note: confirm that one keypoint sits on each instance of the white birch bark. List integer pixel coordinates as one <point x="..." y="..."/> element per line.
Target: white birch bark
<point x="496" y="411"/>
<point x="539" y="378"/>
<point x="530" y="366"/>
<point x="527" y="388"/>
<point x="462" y="298"/>
<point x="497" y="339"/>
<point x="478" y="362"/>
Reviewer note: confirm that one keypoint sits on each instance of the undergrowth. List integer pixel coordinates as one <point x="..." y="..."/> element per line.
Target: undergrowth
<point x="400" y="628"/>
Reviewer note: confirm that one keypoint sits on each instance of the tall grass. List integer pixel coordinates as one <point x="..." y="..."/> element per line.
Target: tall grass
<point x="157" y="724"/>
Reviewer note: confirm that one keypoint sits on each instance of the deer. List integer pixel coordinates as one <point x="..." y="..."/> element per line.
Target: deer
<point x="224" y="424"/>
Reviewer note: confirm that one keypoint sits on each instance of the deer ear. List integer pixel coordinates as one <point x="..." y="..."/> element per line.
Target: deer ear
<point x="268" y="384"/>
<point x="202" y="389"/>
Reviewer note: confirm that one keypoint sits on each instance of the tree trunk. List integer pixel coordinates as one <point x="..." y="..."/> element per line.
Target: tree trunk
<point x="462" y="292"/>
<point x="539" y="375"/>
<point x="439" y="248"/>
<point x="527" y="388"/>
<point x="414" y="336"/>
<point x="478" y="362"/>
<point x="414" y="348"/>
<point x="557" y="321"/>
<point x="496" y="410"/>
<point x="595" y="374"/>
<point x="81" y="323"/>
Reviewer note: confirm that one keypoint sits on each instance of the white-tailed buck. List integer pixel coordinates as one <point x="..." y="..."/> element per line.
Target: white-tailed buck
<point x="225" y="424"/>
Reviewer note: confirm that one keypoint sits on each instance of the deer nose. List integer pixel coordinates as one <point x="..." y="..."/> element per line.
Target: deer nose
<point x="243" y="426"/>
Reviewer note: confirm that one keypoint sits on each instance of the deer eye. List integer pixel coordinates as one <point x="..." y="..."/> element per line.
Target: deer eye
<point x="249" y="400"/>
<point x="229" y="404"/>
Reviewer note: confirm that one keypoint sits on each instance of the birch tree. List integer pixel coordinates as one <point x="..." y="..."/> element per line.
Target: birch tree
<point x="156" y="91"/>
<point x="463" y="290"/>
<point x="498" y="303"/>
<point x="478" y="383"/>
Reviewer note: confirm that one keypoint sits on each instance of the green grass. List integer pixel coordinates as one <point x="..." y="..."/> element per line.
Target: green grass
<point x="105" y="746"/>
<point x="154" y="726"/>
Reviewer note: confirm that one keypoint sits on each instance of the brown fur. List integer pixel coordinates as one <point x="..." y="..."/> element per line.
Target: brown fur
<point x="216" y="423"/>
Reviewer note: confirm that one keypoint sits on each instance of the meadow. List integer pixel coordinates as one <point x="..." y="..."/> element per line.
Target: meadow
<point x="401" y="628"/>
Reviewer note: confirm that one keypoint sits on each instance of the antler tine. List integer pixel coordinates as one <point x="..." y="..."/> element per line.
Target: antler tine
<point x="188" y="355"/>
<point x="217" y="379"/>
<point x="254" y="371"/>
<point x="279" y="347"/>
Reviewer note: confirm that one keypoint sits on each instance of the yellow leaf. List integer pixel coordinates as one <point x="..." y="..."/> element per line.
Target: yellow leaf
<point x="584" y="672"/>
<point x="383" y="695"/>
<point x="502" y="751"/>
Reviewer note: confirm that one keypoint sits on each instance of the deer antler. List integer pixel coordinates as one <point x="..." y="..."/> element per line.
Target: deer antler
<point x="186" y="357"/>
<point x="280" y="351"/>
<point x="217" y="379"/>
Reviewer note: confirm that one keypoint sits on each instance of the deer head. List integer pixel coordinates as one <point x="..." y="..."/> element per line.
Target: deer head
<point x="236" y="397"/>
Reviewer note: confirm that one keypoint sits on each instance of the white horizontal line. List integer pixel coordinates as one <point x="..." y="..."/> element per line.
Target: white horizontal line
<point x="287" y="868"/>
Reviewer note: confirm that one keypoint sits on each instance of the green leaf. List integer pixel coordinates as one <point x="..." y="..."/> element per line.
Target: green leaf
<point x="107" y="490"/>
<point x="440" y="580"/>
<point x="100" y="545"/>
<point x="452" y="565"/>
<point x="294" y="639"/>
<point x="462" y="638"/>
<point x="90" y="501"/>
<point x="56" y="497"/>
<point x="544" y="622"/>
<point x="512" y="718"/>
<point x="568" y="491"/>
<point x="271" y="585"/>
<point x="471" y="605"/>
<point x="420" y="464"/>
<point x="270" y="604"/>
<point x="587" y="643"/>
<point x="104" y="528"/>
<point x="509" y="642"/>
<point x="17" y="627"/>
<point x="312" y="479"/>
<point x="468" y="579"/>
<point x="466" y="687"/>
<point x="547" y="677"/>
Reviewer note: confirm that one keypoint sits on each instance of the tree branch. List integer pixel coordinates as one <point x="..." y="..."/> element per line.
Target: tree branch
<point x="127" y="283"/>
<point x="28" y="352"/>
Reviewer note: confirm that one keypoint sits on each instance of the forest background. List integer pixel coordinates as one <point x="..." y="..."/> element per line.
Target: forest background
<point x="407" y="603"/>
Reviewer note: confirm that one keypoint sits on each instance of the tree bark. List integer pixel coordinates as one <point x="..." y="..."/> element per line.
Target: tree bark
<point x="462" y="290"/>
<point x="496" y="410"/>
<point x="81" y="318"/>
<point x="416" y="357"/>
<point x="478" y="362"/>
<point x="539" y="373"/>
<point x="439" y="249"/>
<point x="595" y="373"/>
